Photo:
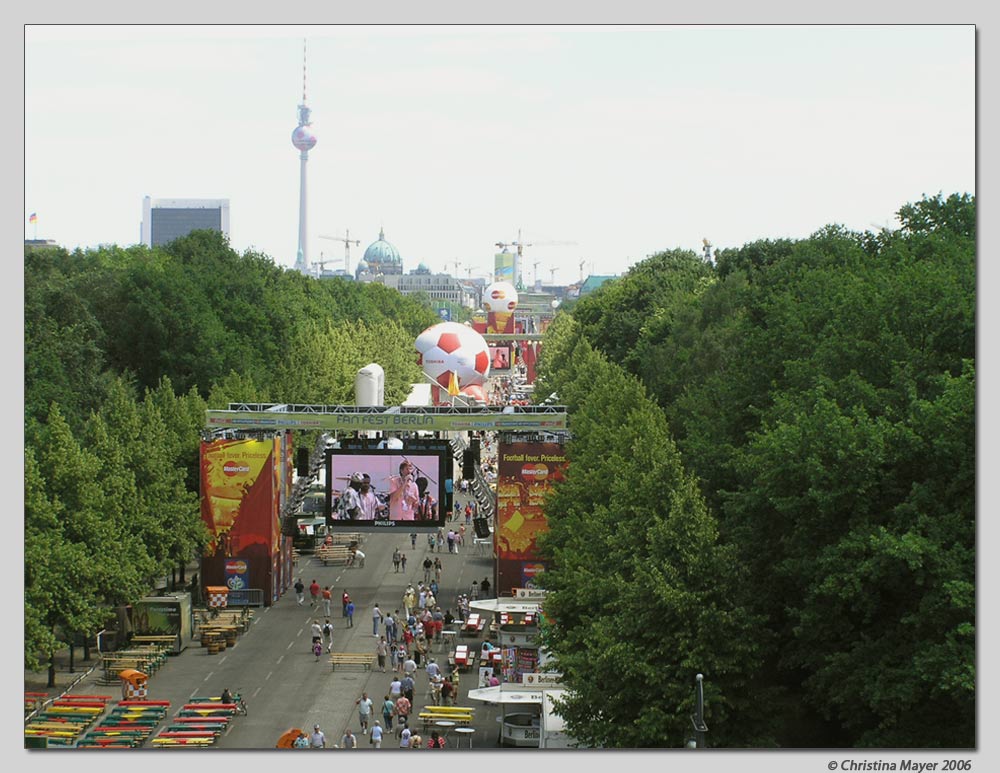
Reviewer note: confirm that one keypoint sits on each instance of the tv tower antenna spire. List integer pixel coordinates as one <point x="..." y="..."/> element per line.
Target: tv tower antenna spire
<point x="304" y="140"/>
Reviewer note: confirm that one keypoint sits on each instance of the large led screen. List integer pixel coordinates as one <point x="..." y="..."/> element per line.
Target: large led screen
<point x="386" y="488"/>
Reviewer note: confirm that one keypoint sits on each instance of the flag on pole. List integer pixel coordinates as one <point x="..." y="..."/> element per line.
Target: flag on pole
<point x="33" y="217"/>
<point x="453" y="384"/>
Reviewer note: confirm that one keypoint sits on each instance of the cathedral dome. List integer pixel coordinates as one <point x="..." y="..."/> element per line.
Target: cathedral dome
<point x="382" y="257"/>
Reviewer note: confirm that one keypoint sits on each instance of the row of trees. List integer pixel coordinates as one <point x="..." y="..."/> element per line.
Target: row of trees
<point x="810" y="407"/>
<point x="125" y="349"/>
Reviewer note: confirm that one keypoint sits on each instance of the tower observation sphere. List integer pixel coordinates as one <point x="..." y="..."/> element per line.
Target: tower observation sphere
<point x="303" y="138"/>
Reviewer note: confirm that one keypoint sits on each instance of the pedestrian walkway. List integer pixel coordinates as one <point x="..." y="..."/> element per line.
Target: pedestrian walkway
<point x="273" y="667"/>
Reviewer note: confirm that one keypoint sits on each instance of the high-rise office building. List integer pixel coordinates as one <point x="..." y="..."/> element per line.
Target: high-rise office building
<point x="164" y="220"/>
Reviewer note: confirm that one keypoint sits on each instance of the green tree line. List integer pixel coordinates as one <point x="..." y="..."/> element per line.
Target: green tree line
<point x="124" y="350"/>
<point x="772" y="482"/>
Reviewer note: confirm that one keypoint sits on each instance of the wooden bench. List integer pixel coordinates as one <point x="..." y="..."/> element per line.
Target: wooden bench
<point x="432" y="714"/>
<point x="166" y="642"/>
<point x="332" y="553"/>
<point x="351" y="659"/>
<point x="170" y="741"/>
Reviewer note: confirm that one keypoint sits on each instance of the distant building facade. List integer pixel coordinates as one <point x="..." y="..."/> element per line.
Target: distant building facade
<point x="164" y="220"/>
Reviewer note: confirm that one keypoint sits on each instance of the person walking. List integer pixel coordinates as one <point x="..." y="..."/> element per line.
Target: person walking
<point x="376" y="619"/>
<point x="350" y="614"/>
<point x="413" y="543"/>
<point x="404" y="738"/>
<point x="300" y="590"/>
<point x="388" y="707"/>
<point x="408" y="684"/>
<point x="438" y="568"/>
<point x="403" y="707"/>
<point x="395" y="688"/>
<point x="364" y="704"/>
<point x="382" y="651"/>
<point x="327" y="600"/>
<point x="402" y="561"/>
<point x="314" y="594"/>
<point x="317" y="740"/>
<point x="348" y="740"/>
<point x="396" y="555"/>
<point x="428" y="564"/>
<point x="451" y="540"/>
<point x="344" y="601"/>
<point x="317" y="633"/>
<point x="317" y="649"/>
<point x="376" y="737"/>
<point x="485" y="587"/>
<point x="389" y="622"/>
<point x="328" y="635"/>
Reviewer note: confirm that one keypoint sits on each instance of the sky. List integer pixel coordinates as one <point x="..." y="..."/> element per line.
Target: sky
<point x="611" y="143"/>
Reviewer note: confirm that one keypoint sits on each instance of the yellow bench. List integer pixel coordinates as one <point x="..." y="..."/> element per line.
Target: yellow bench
<point x="351" y="659"/>
<point x="429" y="717"/>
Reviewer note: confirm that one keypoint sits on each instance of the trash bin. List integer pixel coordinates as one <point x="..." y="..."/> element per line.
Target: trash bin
<point x="133" y="684"/>
<point x="218" y="596"/>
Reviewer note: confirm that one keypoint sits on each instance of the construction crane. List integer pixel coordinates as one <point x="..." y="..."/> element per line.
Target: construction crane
<point x="347" y="247"/>
<point x="520" y="245"/>
<point x="321" y="263"/>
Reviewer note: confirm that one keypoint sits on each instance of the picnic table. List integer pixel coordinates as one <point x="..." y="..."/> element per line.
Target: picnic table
<point x="474" y="625"/>
<point x="462" y="657"/>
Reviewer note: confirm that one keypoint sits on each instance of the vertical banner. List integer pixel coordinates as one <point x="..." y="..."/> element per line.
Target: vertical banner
<point x="237" y="574"/>
<point x="238" y="505"/>
<point x="525" y="474"/>
<point x="503" y="267"/>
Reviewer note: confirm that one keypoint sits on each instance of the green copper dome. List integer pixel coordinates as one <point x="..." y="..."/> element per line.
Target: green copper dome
<point x="382" y="257"/>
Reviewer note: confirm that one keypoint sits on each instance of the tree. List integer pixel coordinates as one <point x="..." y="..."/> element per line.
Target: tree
<point x="639" y="588"/>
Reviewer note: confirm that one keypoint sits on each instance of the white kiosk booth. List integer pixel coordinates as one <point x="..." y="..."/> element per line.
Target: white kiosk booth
<point x="528" y="716"/>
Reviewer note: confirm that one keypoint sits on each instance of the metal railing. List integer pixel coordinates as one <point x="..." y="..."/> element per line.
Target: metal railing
<point x="247" y="597"/>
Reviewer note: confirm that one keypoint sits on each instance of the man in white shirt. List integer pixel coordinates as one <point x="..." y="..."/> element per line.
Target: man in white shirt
<point x="317" y="740"/>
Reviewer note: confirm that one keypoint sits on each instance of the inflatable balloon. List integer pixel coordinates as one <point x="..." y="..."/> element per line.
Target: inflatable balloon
<point x="475" y="391"/>
<point x="449" y="347"/>
<point x="499" y="302"/>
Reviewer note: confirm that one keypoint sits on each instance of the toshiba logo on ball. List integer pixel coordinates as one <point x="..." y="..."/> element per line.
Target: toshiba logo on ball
<point x="536" y="471"/>
<point x="234" y="468"/>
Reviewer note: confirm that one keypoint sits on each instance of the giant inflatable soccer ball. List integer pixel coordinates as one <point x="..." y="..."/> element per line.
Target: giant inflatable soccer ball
<point x="500" y="297"/>
<point x="449" y="347"/>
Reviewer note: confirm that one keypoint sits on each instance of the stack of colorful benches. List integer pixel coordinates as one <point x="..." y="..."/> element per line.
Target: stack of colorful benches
<point x="64" y="720"/>
<point x="197" y="724"/>
<point x="128" y="725"/>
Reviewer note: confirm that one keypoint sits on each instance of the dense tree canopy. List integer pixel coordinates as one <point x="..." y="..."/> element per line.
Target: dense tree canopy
<point x="822" y="393"/>
<point x="124" y="350"/>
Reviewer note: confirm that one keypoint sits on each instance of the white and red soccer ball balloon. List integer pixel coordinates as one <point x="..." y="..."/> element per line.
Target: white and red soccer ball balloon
<point x="500" y="297"/>
<point x="449" y="347"/>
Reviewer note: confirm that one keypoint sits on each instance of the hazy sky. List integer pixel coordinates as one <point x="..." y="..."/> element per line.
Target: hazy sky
<point x="623" y="140"/>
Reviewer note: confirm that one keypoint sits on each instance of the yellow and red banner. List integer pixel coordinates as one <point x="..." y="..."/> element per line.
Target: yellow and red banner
<point x="240" y="496"/>
<point x="525" y="474"/>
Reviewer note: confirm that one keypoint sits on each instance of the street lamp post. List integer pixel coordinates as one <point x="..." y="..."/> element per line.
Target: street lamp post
<point x="698" y="718"/>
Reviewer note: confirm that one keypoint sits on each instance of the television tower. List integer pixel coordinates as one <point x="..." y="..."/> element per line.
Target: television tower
<point x="303" y="139"/>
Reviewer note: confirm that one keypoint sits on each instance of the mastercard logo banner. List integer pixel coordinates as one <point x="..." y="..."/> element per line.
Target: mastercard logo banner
<point x="498" y="295"/>
<point x="235" y="468"/>
<point x="535" y="472"/>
